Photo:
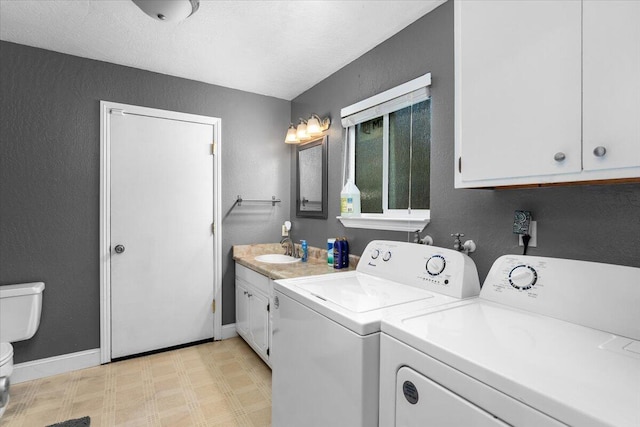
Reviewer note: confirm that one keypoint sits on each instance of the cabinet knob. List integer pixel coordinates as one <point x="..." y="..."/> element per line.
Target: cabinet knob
<point x="599" y="151"/>
<point x="559" y="156"/>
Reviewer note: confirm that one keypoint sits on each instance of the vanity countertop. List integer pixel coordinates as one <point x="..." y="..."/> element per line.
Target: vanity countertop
<point x="316" y="264"/>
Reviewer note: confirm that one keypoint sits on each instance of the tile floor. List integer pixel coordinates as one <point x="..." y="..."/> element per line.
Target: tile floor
<point x="221" y="383"/>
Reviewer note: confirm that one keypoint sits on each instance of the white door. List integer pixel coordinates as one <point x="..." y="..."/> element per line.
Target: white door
<point x="162" y="283"/>
<point x="420" y="402"/>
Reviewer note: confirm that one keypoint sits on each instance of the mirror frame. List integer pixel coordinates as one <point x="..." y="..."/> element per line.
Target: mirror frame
<point x="322" y="214"/>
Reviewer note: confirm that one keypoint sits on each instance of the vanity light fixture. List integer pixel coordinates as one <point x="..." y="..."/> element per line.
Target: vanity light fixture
<point x="307" y="129"/>
<point x="168" y="10"/>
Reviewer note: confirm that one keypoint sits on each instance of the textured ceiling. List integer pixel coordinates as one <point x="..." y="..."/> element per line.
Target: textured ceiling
<point x="276" y="48"/>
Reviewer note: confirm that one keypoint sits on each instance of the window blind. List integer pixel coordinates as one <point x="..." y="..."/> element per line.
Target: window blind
<point x="386" y="102"/>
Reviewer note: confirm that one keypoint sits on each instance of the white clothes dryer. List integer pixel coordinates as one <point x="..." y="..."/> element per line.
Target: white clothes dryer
<point x="548" y="342"/>
<point x="326" y="333"/>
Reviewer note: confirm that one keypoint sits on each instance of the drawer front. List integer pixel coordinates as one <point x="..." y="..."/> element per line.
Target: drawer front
<point x="256" y="279"/>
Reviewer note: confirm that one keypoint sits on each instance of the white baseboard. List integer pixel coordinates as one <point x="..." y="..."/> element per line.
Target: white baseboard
<point x="229" y="331"/>
<point x="55" y="365"/>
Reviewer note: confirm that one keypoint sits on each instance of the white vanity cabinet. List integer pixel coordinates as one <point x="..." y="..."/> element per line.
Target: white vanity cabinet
<point x="546" y="92"/>
<point x="253" y="296"/>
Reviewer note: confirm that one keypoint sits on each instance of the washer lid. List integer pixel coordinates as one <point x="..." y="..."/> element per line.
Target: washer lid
<point x="357" y="301"/>
<point x="6" y="352"/>
<point x="362" y="293"/>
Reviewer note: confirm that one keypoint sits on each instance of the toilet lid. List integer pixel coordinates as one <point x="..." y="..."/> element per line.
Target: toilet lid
<point x="6" y="352"/>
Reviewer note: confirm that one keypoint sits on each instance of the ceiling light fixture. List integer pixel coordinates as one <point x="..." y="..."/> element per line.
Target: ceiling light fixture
<point x="307" y="129"/>
<point x="168" y="10"/>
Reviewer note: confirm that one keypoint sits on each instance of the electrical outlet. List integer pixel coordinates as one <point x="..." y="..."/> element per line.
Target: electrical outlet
<point x="533" y="232"/>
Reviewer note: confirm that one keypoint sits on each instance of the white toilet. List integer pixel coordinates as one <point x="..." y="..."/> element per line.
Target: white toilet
<point x="20" y="307"/>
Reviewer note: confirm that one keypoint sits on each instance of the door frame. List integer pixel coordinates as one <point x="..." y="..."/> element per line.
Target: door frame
<point x="106" y="108"/>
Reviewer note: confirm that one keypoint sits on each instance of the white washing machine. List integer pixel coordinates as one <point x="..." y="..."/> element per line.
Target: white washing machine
<point x="326" y="333"/>
<point x="548" y="342"/>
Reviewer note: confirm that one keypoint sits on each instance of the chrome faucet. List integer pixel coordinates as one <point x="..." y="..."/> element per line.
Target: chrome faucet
<point x="457" y="243"/>
<point x="289" y="247"/>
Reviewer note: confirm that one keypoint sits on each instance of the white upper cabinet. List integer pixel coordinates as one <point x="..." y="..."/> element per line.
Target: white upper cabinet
<point x="522" y="103"/>
<point x="611" y="74"/>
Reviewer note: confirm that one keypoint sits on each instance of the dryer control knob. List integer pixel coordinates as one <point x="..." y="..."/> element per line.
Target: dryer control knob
<point x="387" y="256"/>
<point x="523" y="277"/>
<point x="435" y="265"/>
<point x="375" y="254"/>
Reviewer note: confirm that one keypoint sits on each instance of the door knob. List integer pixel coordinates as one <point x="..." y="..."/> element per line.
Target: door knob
<point x="119" y="249"/>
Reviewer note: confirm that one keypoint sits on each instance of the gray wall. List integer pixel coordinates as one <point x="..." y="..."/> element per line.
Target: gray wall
<point x="595" y="223"/>
<point x="49" y="178"/>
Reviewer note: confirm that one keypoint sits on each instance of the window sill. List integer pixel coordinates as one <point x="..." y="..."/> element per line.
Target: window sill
<point x="379" y="222"/>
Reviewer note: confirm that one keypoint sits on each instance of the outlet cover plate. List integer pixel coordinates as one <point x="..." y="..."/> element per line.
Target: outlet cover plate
<point x="533" y="232"/>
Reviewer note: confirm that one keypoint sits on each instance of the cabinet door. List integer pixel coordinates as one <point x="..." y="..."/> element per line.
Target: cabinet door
<point x="242" y="309"/>
<point x="611" y="84"/>
<point x="259" y="322"/>
<point x="270" y="314"/>
<point x="518" y="89"/>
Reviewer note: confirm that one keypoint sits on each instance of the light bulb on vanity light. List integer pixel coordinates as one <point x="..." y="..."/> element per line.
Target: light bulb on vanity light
<point x="291" y="137"/>
<point x="313" y="125"/>
<point x="301" y="131"/>
<point x="316" y="125"/>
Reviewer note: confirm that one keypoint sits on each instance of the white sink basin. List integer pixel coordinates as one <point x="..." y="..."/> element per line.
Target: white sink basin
<point x="277" y="259"/>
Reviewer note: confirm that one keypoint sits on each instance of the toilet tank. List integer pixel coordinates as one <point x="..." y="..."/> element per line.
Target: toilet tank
<point x="20" y="307"/>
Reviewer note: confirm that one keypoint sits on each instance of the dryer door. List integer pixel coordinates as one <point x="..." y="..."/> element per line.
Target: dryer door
<point x="420" y="402"/>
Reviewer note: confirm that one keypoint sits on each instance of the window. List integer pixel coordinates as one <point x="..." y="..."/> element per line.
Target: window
<point x="387" y="154"/>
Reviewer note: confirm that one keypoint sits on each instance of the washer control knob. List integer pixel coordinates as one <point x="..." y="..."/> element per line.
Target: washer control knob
<point x="435" y="265"/>
<point x="387" y="256"/>
<point x="523" y="277"/>
<point x="375" y="254"/>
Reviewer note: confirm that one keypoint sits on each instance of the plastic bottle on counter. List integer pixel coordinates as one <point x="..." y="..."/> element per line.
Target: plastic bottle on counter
<point x="337" y="254"/>
<point x="345" y="253"/>
<point x="305" y="250"/>
<point x="330" y="243"/>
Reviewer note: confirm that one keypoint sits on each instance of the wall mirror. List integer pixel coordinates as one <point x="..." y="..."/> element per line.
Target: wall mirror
<point x="311" y="182"/>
